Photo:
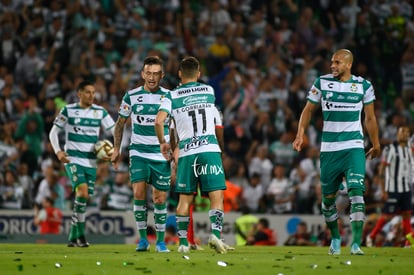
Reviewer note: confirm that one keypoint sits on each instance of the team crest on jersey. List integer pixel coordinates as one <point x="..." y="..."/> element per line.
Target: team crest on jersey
<point x="95" y="113"/>
<point x="354" y="87"/>
<point x="314" y="91"/>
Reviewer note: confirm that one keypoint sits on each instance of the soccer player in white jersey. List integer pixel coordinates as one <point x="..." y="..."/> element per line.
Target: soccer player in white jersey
<point x="396" y="172"/>
<point x="200" y="141"/>
<point x="81" y="122"/>
<point x="147" y="164"/>
<point x="342" y="97"/>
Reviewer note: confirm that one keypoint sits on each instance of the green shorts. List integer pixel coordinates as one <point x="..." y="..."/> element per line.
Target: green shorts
<point x="205" y="169"/>
<point x="78" y="175"/>
<point x="157" y="173"/>
<point x="336" y="165"/>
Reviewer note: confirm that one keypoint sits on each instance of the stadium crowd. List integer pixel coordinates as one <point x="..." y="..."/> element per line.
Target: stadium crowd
<point x="260" y="56"/>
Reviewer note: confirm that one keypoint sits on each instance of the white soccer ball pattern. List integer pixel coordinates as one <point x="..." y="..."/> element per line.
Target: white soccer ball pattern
<point x="104" y="149"/>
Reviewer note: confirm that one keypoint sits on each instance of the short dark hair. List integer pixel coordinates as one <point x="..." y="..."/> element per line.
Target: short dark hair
<point x="189" y="66"/>
<point x="50" y="200"/>
<point x="264" y="222"/>
<point x="153" y="60"/>
<point x="83" y="84"/>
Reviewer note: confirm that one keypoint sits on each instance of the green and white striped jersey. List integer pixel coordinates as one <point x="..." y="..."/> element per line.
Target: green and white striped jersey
<point x="192" y="107"/>
<point x="82" y="128"/>
<point x="342" y="104"/>
<point x="142" y="106"/>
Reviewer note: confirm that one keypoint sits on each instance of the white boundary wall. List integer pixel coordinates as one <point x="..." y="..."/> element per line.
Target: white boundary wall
<point x="119" y="227"/>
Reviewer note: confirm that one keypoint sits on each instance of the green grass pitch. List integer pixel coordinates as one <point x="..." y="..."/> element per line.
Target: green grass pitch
<point x="122" y="259"/>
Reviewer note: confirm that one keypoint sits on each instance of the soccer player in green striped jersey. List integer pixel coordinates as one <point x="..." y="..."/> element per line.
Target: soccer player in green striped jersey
<point x="146" y="163"/>
<point x="81" y="122"/>
<point x="199" y="129"/>
<point x="342" y="97"/>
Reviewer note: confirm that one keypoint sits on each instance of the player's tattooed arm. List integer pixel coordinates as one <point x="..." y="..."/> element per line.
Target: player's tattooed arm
<point x="119" y="130"/>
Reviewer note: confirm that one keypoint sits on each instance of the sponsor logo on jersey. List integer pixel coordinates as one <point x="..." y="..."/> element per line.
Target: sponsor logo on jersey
<point x="79" y="130"/>
<point x="195" y="99"/>
<point x="196" y="142"/>
<point x="206" y="169"/>
<point x="192" y="90"/>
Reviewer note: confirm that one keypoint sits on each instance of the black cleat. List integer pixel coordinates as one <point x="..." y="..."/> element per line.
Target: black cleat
<point x="82" y="242"/>
<point x="72" y="243"/>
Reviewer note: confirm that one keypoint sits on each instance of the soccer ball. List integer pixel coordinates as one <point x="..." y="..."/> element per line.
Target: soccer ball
<point x="104" y="149"/>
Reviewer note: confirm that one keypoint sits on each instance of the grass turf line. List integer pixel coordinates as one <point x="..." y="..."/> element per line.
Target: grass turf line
<point x="122" y="259"/>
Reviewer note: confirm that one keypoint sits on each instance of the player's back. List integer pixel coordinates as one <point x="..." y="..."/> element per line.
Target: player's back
<point x="195" y="116"/>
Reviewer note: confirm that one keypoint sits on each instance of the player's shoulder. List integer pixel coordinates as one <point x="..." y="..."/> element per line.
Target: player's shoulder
<point x="327" y="77"/>
<point x="71" y="106"/>
<point x="164" y="90"/>
<point x="98" y="107"/>
<point x="360" y="79"/>
<point x="134" y="91"/>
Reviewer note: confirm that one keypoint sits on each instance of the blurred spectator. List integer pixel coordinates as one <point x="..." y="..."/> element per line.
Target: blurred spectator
<point x="301" y="237"/>
<point x="240" y="175"/>
<point x="232" y="197"/>
<point x="244" y="226"/>
<point x="259" y="162"/>
<point x="48" y="218"/>
<point x="280" y="193"/>
<point x="11" y="191"/>
<point x="282" y="151"/>
<point x="28" y="70"/>
<point x="49" y="187"/>
<point x="262" y="234"/>
<point x="305" y="177"/>
<point x="120" y="196"/>
<point x="27" y="184"/>
<point x="407" y="71"/>
<point x="8" y="149"/>
<point x="31" y="126"/>
<point x="252" y="196"/>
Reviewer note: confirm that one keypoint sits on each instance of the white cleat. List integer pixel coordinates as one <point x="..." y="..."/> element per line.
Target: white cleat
<point x="228" y="247"/>
<point x="184" y="249"/>
<point x="217" y="244"/>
